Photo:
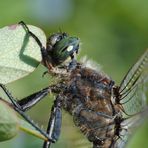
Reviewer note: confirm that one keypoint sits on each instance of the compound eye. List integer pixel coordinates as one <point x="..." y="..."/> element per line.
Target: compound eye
<point x="54" y="39"/>
<point x="60" y="37"/>
<point x="64" y="34"/>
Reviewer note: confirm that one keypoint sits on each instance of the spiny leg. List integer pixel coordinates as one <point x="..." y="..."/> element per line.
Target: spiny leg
<point x="55" y="121"/>
<point x="46" y="59"/>
<point x="13" y="101"/>
<point x="29" y="101"/>
<point x="31" y="34"/>
<point x="17" y="108"/>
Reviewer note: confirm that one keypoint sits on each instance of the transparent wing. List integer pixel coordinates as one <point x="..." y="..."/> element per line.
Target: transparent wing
<point x="121" y="142"/>
<point x="129" y="126"/>
<point x="134" y="86"/>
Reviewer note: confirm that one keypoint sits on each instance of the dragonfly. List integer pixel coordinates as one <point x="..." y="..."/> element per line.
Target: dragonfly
<point x="103" y="111"/>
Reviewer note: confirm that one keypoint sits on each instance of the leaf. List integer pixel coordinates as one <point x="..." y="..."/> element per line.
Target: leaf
<point x="26" y="127"/>
<point x="8" y="122"/>
<point x="19" y="53"/>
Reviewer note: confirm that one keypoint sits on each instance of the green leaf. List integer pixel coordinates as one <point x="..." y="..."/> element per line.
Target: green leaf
<point x="26" y="127"/>
<point x="8" y="122"/>
<point x="19" y="53"/>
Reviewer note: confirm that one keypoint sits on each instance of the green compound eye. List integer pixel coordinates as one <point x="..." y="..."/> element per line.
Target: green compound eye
<point x="62" y="46"/>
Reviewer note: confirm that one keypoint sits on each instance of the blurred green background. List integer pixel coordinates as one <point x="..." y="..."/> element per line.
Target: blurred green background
<point x="112" y="33"/>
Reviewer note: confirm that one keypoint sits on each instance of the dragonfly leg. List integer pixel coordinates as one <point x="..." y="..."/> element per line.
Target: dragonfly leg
<point x="31" y="34"/>
<point x="10" y="97"/>
<point x="17" y="108"/>
<point x="55" y="121"/>
<point x="45" y="57"/>
<point x="29" y="101"/>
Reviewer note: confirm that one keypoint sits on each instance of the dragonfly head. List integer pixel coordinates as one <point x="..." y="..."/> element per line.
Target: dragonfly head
<point x="61" y="47"/>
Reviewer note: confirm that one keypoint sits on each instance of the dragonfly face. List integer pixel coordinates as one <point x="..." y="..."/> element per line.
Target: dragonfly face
<point x="104" y="113"/>
<point x="61" y="46"/>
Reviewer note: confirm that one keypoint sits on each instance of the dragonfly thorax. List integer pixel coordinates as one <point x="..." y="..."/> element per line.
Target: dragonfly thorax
<point x="88" y="100"/>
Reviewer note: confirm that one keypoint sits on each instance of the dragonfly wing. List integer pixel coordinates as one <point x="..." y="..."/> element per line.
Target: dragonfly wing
<point x="128" y="127"/>
<point x="134" y="86"/>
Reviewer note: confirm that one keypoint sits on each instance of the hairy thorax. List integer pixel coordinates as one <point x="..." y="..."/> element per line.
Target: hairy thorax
<point x="89" y="100"/>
